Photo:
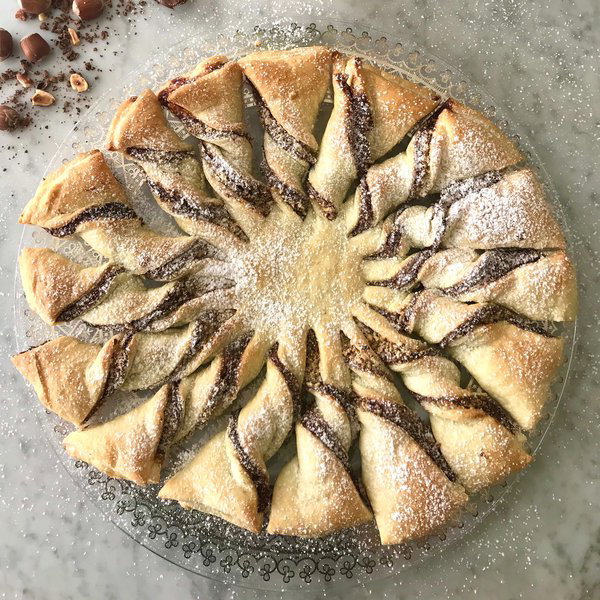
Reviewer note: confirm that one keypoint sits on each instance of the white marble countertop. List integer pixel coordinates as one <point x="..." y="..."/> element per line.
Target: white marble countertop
<point x="539" y="60"/>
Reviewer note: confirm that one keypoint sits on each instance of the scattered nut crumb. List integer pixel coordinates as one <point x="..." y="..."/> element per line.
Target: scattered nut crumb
<point x="42" y="98"/>
<point x="24" y="80"/>
<point x="78" y="82"/>
<point x="75" y="41"/>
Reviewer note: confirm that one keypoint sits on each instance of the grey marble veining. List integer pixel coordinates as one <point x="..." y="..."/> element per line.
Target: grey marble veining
<point x="539" y="60"/>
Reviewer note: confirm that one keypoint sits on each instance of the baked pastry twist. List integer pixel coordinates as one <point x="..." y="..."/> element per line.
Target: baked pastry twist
<point x="209" y="103"/>
<point x="412" y="488"/>
<point x="141" y="133"/>
<point x="110" y="298"/>
<point x="83" y="197"/>
<point x="446" y="262"/>
<point x="479" y="439"/>
<point x="72" y="378"/>
<point x="316" y="493"/>
<point x="229" y="477"/>
<point x="372" y="111"/>
<point x="289" y="88"/>
<point x="452" y="144"/>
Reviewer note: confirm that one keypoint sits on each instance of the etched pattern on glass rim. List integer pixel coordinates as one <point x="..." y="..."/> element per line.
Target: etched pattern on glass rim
<point x="195" y="541"/>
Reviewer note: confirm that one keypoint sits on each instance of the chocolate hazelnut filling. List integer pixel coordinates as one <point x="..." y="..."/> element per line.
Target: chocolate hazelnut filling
<point x="294" y="198"/>
<point x="92" y="297"/>
<point x="239" y="185"/>
<point x="409" y="272"/>
<point x="205" y="328"/>
<point x="178" y="295"/>
<point x="181" y="205"/>
<point x="117" y="371"/>
<point x="493" y="313"/>
<point x="393" y="242"/>
<point x="313" y="421"/>
<point x="422" y="147"/>
<point x="112" y="211"/>
<point x="169" y="270"/>
<point x="172" y="418"/>
<point x="327" y="207"/>
<point x="365" y="209"/>
<point x="408" y="421"/>
<point x="493" y="265"/>
<point x="161" y="157"/>
<point x="292" y="384"/>
<point x="394" y="354"/>
<point x="257" y="474"/>
<point x="473" y="401"/>
<point x="361" y="360"/>
<point x="278" y="134"/>
<point x="227" y="378"/>
<point x="401" y="320"/>
<point x="457" y="190"/>
<point x="201" y="130"/>
<point x="358" y="122"/>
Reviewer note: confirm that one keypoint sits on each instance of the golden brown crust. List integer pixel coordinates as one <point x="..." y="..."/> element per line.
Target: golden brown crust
<point x="292" y="84"/>
<point x="212" y="94"/>
<point x="479" y="450"/>
<point x="372" y="112"/>
<point x="464" y="143"/>
<point x="207" y="483"/>
<point x="308" y="504"/>
<point x="52" y="282"/>
<point x="62" y="390"/>
<point x="141" y="123"/>
<point x="83" y="182"/>
<point x="125" y="447"/>
<point x="410" y="496"/>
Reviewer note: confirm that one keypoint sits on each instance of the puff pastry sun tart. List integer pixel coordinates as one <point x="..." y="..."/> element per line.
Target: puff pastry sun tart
<point x="343" y="267"/>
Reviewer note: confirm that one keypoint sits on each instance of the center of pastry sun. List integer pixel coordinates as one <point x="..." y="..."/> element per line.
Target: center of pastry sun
<point x="294" y="274"/>
<point x="445" y="254"/>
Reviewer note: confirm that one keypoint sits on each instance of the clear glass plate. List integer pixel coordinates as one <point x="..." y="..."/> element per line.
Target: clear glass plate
<point x="197" y="542"/>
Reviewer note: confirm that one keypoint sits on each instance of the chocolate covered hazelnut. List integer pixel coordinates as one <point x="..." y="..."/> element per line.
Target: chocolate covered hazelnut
<point x="88" y="9"/>
<point x="35" y="7"/>
<point x="9" y="118"/>
<point x="34" y="47"/>
<point x="6" y="44"/>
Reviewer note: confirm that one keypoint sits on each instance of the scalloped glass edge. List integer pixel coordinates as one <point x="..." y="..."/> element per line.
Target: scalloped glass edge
<point x="135" y="510"/>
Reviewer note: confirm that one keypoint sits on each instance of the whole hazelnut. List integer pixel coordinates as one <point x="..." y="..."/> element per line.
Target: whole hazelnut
<point x="34" y="47"/>
<point x="88" y="9"/>
<point x="6" y="44"/>
<point x="35" y="7"/>
<point x="9" y="118"/>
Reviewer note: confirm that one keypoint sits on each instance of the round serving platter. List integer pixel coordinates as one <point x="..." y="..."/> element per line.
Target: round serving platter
<point x="200" y="543"/>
